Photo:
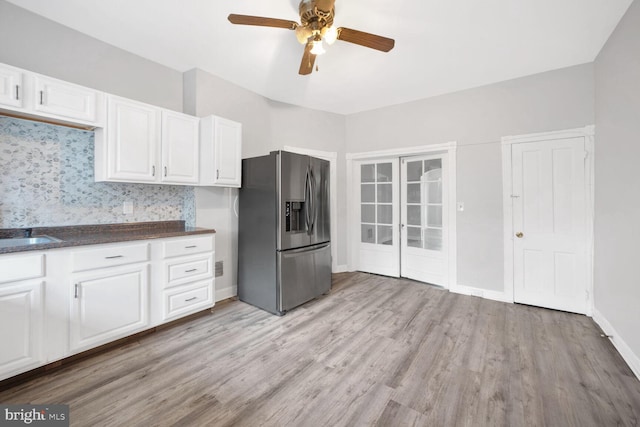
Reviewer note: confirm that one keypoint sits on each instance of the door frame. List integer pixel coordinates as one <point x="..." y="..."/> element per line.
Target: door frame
<point x="331" y="157"/>
<point x="588" y="133"/>
<point x="354" y="222"/>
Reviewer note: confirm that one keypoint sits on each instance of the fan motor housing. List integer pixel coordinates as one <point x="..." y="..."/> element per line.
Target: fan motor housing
<point x="317" y="13"/>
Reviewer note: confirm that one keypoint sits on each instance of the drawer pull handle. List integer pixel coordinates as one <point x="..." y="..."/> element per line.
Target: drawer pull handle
<point x="75" y="291"/>
<point x="114" y="257"/>
<point x="190" y="299"/>
<point x="17" y="93"/>
<point x="41" y="97"/>
<point x="191" y="271"/>
<point x="191" y="247"/>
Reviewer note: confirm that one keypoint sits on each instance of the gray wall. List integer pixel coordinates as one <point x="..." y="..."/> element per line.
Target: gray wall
<point x="617" y="186"/>
<point x="477" y="119"/>
<point x="37" y="44"/>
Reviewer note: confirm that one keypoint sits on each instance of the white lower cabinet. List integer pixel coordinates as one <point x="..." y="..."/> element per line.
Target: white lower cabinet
<point x="187" y="279"/>
<point x="108" y="304"/>
<point x="22" y="280"/>
<point x="21" y="312"/>
<point x="72" y="300"/>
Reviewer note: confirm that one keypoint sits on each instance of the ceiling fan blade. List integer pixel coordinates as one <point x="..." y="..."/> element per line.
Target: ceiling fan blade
<point x="366" y="39"/>
<point x="308" y="59"/>
<point x="262" y="22"/>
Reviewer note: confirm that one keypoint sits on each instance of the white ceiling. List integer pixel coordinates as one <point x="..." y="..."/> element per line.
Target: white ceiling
<point x="441" y="45"/>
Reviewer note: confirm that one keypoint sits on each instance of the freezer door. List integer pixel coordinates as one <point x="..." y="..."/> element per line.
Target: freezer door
<point x="320" y="229"/>
<point x="303" y="274"/>
<point x="294" y="209"/>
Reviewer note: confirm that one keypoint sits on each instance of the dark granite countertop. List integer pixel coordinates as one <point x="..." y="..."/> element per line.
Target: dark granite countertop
<point x="81" y="235"/>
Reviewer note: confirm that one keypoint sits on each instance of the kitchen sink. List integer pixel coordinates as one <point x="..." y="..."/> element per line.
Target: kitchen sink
<point x="26" y="241"/>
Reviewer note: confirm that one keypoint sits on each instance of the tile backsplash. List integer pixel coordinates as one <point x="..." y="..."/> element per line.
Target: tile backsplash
<point x="47" y="179"/>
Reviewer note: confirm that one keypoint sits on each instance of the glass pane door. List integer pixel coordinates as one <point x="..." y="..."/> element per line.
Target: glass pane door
<point x="376" y="203"/>
<point x="424" y="213"/>
<point x="379" y="210"/>
<point x="424" y="204"/>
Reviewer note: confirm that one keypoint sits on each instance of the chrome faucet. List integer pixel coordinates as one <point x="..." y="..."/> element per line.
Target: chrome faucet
<point x="27" y="232"/>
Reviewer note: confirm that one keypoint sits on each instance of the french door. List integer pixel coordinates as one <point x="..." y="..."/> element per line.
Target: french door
<point x="424" y="217"/>
<point x="379" y="212"/>
<point x="403" y="217"/>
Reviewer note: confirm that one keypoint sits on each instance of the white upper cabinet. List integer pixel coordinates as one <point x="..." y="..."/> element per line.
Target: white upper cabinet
<point x="37" y="97"/>
<point x="179" y="148"/>
<point x="220" y="152"/>
<point x="143" y="143"/>
<point x="64" y="99"/>
<point x="132" y="134"/>
<point x="11" y="87"/>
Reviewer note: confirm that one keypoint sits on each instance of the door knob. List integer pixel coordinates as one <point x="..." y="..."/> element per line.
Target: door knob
<point x="519" y="234"/>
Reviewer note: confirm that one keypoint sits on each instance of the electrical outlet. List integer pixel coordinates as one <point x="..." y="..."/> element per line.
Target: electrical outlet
<point x="127" y="208"/>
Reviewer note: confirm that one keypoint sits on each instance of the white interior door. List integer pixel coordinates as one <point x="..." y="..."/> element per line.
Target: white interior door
<point x="424" y="216"/>
<point x="549" y="224"/>
<point x="378" y="204"/>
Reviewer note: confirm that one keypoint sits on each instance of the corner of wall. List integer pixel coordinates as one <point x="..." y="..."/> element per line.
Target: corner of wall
<point x="189" y="91"/>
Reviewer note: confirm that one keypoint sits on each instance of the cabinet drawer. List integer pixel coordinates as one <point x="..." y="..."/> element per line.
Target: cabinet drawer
<point x="21" y="267"/>
<point x="187" y="299"/>
<point x="187" y="246"/>
<point x="188" y="269"/>
<point x="109" y="256"/>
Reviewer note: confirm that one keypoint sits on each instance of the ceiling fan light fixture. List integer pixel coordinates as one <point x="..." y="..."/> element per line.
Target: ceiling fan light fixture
<point x="330" y="35"/>
<point x="303" y="34"/>
<point x="317" y="48"/>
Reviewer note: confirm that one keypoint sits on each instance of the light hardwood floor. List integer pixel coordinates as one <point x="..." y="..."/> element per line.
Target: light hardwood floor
<point x="375" y="351"/>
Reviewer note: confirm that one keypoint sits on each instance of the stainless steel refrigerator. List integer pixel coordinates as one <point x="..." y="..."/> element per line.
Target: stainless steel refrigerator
<point x="284" y="247"/>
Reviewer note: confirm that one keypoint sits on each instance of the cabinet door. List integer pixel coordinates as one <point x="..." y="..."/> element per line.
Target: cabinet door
<point x="65" y="99"/>
<point x="21" y="311"/>
<point x="108" y="304"/>
<point x="133" y="131"/>
<point x="11" y="92"/>
<point x="228" y="153"/>
<point x="180" y="148"/>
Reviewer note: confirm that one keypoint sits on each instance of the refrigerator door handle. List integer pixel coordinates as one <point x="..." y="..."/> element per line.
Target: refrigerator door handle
<point x="307" y="204"/>
<point x="314" y="205"/>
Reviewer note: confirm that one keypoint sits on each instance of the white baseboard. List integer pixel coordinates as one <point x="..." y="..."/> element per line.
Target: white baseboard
<point x="225" y="293"/>
<point x="625" y="351"/>
<point x="479" y="292"/>
<point x="340" y="269"/>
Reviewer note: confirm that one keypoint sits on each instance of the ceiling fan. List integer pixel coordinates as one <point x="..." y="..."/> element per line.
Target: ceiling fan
<point x="316" y="25"/>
